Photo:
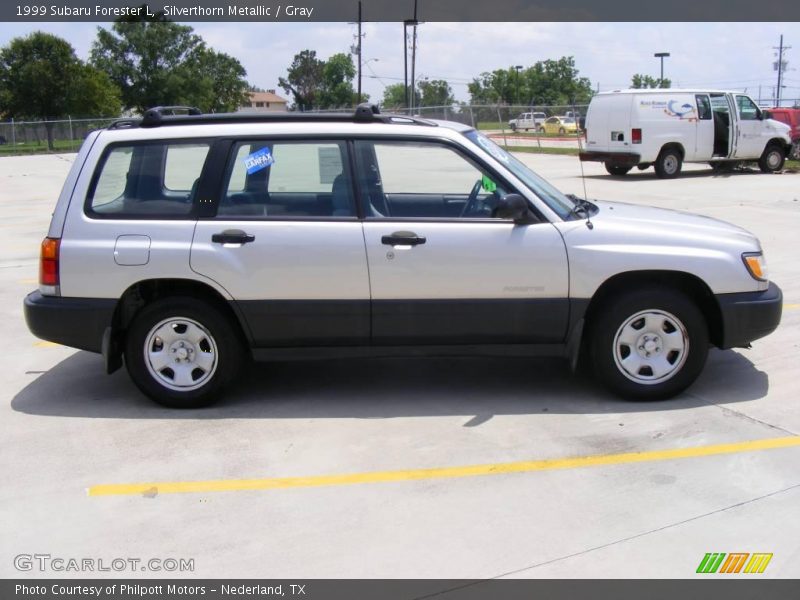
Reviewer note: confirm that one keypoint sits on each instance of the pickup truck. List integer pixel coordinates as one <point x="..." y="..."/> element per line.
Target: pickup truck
<point x="790" y="116"/>
<point x="527" y="121"/>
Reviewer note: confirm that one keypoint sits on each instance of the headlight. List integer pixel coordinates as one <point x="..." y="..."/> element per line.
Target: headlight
<point x="756" y="265"/>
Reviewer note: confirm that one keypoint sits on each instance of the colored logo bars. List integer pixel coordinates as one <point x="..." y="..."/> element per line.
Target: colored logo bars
<point x="719" y="562"/>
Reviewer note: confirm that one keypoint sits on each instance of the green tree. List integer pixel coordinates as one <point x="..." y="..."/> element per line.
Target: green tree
<point x="157" y="62"/>
<point x="41" y="77"/>
<point x="547" y="82"/>
<point x="640" y="81"/>
<point x="337" y="82"/>
<point x="394" y="97"/>
<point x="304" y="79"/>
<point x="436" y="92"/>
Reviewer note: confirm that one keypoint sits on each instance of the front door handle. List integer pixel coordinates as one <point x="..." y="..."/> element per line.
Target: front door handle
<point x="232" y="236"/>
<point x="403" y="238"/>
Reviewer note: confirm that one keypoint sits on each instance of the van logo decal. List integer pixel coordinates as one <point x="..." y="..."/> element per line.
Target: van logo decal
<point x="684" y="112"/>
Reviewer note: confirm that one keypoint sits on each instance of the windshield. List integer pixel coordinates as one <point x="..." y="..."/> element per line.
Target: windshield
<point x="557" y="201"/>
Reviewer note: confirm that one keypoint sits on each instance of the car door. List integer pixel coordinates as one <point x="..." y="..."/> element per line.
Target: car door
<point x="704" y="141"/>
<point x="286" y="244"/>
<point x="749" y="129"/>
<point x="442" y="269"/>
<point x="551" y="125"/>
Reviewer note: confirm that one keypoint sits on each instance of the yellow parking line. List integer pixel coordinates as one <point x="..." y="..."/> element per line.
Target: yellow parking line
<point x="791" y="306"/>
<point x="277" y="483"/>
<point x="28" y="281"/>
<point x="44" y="344"/>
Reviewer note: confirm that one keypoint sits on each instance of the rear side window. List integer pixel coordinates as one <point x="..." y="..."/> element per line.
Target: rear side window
<point x="147" y="180"/>
<point x="289" y="179"/>
<point x="703" y="108"/>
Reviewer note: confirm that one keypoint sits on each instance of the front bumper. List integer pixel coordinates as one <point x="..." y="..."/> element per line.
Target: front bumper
<point x="749" y="316"/>
<point x="616" y="159"/>
<point x="76" y="322"/>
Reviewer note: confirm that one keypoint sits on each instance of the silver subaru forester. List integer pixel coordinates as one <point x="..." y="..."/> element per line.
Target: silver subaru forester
<point x="184" y="245"/>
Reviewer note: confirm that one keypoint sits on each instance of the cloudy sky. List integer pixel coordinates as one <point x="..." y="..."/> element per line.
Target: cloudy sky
<point x="719" y="55"/>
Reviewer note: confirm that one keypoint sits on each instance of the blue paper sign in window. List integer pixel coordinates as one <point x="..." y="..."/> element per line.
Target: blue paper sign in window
<point x="258" y="160"/>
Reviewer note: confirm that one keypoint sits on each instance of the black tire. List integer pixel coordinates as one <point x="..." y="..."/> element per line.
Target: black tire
<point x="540" y="129"/>
<point x="668" y="164"/>
<point x="721" y="166"/>
<point x="661" y="312"/>
<point x="216" y="352"/>
<point x="513" y="127"/>
<point x="617" y="170"/>
<point x="562" y="131"/>
<point x="772" y="159"/>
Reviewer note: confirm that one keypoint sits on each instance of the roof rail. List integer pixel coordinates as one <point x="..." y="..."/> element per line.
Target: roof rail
<point x="160" y="116"/>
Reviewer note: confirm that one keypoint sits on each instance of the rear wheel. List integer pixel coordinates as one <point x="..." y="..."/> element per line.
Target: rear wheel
<point x="617" y="170"/>
<point x="562" y="131"/>
<point x="668" y="164"/>
<point x="182" y="352"/>
<point x="773" y="158"/>
<point x="649" y="344"/>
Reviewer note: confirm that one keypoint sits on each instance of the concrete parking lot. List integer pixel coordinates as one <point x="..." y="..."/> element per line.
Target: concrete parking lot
<point x="458" y="468"/>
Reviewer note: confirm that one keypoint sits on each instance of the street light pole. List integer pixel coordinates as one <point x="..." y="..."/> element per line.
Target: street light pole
<point x="662" y="56"/>
<point x="518" y="68"/>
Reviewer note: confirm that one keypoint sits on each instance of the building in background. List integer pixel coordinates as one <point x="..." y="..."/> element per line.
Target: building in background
<point x="267" y="101"/>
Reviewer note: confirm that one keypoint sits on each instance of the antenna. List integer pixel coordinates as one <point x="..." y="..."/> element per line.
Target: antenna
<point x="589" y="223"/>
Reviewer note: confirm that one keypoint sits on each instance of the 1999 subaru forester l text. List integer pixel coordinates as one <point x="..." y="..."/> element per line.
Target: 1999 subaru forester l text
<point x="183" y="245"/>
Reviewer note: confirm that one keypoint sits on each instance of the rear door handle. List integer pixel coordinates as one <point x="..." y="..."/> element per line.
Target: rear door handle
<point x="233" y="236"/>
<point x="403" y="238"/>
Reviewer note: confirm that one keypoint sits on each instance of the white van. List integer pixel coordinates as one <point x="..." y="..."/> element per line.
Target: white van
<point x="666" y="127"/>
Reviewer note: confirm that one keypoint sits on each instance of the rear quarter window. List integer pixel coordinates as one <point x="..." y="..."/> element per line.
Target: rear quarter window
<point x="147" y="180"/>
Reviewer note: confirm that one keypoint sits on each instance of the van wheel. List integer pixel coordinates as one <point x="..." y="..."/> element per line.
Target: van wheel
<point x="668" y="163"/>
<point x="617" y="170"/>
<point x="772" y="160"/>
<point x="649" y="344"/>
<point x="181" y="352"/>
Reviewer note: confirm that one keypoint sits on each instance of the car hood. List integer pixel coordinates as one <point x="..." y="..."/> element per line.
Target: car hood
<point x="649" y="223"/>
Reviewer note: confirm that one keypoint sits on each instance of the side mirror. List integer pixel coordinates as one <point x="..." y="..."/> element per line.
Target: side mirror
<point x="513" y="207"/>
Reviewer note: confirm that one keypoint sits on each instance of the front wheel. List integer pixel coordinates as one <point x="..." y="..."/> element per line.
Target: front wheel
<point x="650" y="344"/>
<point x="772" y="160"/>
<point x="181" y="352"/>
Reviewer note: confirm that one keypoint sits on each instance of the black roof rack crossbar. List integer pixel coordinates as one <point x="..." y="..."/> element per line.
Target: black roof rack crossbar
<point x="364" y="113"/>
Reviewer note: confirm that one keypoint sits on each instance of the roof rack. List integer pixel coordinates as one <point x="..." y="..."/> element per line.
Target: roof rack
<point x="161" y="116"/>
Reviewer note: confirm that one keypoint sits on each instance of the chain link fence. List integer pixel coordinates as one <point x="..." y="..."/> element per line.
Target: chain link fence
<point x="31" y="137"/>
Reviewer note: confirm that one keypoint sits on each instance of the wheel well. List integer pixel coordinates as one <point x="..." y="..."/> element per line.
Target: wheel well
<point x="779" y="142"/>
<point x="143" y="292"/>
<point x="674" y="145"/>
<point x="689" y="284"/>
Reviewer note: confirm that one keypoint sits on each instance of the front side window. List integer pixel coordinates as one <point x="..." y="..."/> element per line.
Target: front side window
<point x="287" y="179"/>
<point x="147" y="180"/>
<point x="748" y="111"/>
<point x="424" y="180"/>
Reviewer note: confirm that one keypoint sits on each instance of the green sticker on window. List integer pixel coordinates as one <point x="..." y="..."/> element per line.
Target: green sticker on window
<point x="488" y="184"/>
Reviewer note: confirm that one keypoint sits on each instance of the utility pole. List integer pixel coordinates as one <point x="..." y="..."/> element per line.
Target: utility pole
<point x="780" y="65"/>
<point x="359" y="52"/>
<point x="405" y="60"/>
<point x="414" y="60"/>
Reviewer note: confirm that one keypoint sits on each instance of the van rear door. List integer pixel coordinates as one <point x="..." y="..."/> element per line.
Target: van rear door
<point x="608" y="122"/>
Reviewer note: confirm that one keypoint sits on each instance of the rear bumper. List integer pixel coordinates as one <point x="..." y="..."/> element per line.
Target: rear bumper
<point x="749" y="316"/>
<point x="617" y="159"/>
<point x="76" y="322"/>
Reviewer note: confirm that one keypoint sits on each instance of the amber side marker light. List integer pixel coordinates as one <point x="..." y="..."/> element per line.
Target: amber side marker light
<point x="756" y="265"/>
<point x="48" y="262"/>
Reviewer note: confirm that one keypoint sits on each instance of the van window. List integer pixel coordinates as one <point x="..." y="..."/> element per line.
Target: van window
<point x="748" y="111"/>
<point x="703" y="107"/>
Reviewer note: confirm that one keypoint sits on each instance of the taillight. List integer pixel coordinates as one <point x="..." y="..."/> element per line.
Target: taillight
<point x="636" y="136"/>
<point x="48" y="262"/>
